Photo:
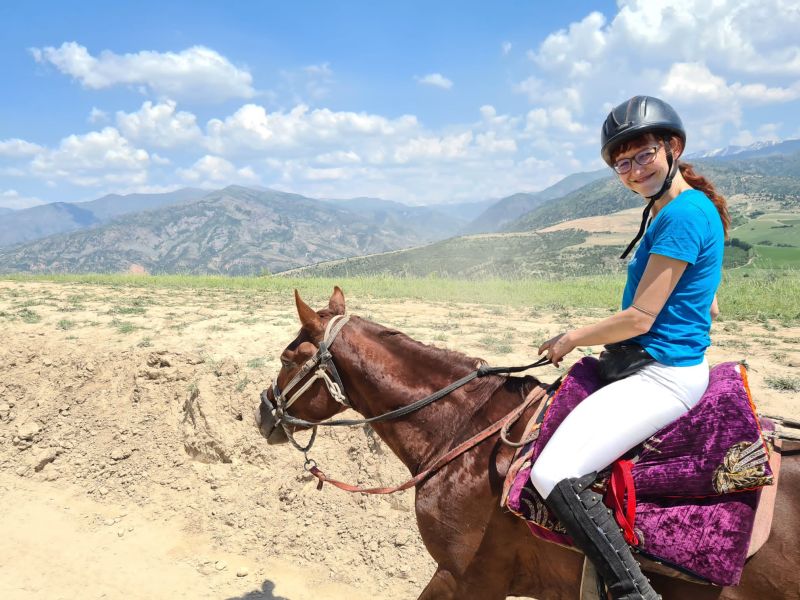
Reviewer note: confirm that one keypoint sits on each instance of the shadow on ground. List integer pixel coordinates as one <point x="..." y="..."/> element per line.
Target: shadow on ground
<point x="267" y="592"/>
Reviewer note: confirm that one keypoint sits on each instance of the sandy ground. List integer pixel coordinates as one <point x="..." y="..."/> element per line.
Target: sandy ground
<point x="130" y="466"/>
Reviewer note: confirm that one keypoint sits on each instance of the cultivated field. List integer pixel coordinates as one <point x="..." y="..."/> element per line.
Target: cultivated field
<point x="130" y="466"/>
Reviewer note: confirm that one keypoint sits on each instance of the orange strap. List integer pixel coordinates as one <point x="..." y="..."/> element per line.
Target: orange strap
<point x="621" y="485"/>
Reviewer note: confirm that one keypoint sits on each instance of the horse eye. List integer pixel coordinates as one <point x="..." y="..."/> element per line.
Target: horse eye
<point x="286" y="363"/>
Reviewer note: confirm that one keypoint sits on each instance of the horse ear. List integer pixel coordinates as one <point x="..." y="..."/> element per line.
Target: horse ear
<point x="308" y="317"/>
<point x="336" y="303"/>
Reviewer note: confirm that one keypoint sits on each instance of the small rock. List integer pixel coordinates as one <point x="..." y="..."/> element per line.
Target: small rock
<point x="27" y="430"/>
<point x="102" y="491"/>
<point x="120" y="453"/>
<point x="44" y="458"/>
<point x="220" y="565"/>
<point x="4" y="407"/>
<point x="109" y="522"/>
<point x="242" y="572"/>
<point x="120" y="532"/>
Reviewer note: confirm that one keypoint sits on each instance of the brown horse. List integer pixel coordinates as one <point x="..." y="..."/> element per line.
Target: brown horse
<point x="482" y="551"/>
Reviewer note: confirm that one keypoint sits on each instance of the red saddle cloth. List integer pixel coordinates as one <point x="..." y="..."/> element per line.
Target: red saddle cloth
<point x="687" y="497"/>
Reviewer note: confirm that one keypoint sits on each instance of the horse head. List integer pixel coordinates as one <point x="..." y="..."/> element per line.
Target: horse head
<point x="307" y="380"/>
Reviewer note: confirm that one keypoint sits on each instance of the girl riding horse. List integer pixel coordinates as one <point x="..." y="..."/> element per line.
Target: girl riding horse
<point x="667" y="307"/>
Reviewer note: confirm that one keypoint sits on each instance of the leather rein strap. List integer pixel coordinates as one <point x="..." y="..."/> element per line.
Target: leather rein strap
<point x="506" y="421"/>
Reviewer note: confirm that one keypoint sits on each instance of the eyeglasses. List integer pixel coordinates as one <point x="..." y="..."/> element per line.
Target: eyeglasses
<point x="645" y="157"/>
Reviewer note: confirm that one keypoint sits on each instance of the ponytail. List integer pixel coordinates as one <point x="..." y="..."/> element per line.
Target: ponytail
<point x="699" y="182"/>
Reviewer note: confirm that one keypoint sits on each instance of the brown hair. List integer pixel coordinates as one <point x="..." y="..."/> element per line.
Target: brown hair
<point x="693" y="178"/>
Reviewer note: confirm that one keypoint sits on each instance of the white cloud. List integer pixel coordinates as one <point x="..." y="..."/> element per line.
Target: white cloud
<point x="338" y="157"/>
<point x="307" y="84"/>
<point x="252" y="129"/>
<point x="13" y="199"/>
<point x="92" y="159"/>
<point x="436" y="80"/>
<point x="506" y="48"/>
<point x="160" y="125"/>
<point x="446" y="147"/>
<point x="17" y="148"/>
<point x="97" y="116"/>
<point x="559" y="118"/>
<point x="710" y="60"/>
<point x="492" y="144"/>
<point x="198" y="72"/>
<point x="765" y="133"/>
<point x="214" y="170"/>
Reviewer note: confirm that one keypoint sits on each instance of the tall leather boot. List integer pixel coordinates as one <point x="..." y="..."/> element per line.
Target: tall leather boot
<point x="593" y="529"/>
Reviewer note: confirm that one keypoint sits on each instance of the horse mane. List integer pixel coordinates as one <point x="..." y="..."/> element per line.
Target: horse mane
<point x="434" y="353"/>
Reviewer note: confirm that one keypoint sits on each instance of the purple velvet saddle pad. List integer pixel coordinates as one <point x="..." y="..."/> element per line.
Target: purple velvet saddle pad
<point x="697" y="481"/>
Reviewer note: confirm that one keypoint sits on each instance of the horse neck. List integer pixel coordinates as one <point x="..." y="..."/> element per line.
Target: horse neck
<point x="401" y="371"/>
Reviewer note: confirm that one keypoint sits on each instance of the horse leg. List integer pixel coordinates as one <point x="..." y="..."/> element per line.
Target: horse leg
<point x="442" y="586"/>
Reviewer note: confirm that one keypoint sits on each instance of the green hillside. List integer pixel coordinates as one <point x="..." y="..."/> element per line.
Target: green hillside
<point x="774" y="180"/>
<point x="472" y="257"/>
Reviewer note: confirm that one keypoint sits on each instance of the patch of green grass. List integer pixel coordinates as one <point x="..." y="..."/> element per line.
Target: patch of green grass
<point x="783" y="383"/>
<point x="65" y="324"/>
<point x="127" y="310"/>
<point x="496" y="345"/>
<point x="242" y="320"/>
<point x="145" y="342"/>
<point x="28" y="316"/>
<point x="256" y="363"/>
<point x="242" y="383"/>
<point x="779" y="357"/>
<point x="123" y="326"/>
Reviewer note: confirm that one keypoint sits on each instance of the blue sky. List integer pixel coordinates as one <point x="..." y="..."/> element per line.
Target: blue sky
<point x="416" y="102"/>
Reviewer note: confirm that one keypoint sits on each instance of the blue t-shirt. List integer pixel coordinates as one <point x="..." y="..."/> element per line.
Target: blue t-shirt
<point x="688" y="228"/>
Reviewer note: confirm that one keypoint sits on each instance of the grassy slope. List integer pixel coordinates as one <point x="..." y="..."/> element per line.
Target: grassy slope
<point x="752" y="294"/>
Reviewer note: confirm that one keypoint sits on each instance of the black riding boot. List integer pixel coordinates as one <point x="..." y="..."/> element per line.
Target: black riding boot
<point x="593" y="529"/>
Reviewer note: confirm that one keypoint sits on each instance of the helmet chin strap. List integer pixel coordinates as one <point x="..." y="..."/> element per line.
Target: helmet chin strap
<point x="672" y="164"/>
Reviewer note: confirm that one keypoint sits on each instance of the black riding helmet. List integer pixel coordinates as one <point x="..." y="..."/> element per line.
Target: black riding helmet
<point x="636" y="117"/>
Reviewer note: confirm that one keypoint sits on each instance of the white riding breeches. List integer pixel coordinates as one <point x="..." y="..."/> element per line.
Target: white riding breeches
<point x="616" y="418"/>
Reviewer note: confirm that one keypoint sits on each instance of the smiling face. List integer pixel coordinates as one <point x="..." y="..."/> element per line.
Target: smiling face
<point x="645" y="179"/>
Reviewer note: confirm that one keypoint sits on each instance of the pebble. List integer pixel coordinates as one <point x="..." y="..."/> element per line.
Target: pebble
<point x="120" y="533"/>
<point x="109" y="522"/>
<point x="242" y="572"/>
<point x="27" y="430"/>
<point x="220" y="565"/>
<point x="120" y="453"/>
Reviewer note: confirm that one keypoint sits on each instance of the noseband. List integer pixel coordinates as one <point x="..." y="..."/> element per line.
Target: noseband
<point x="323" y="361"/>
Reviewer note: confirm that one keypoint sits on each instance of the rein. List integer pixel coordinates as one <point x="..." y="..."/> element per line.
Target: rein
<point x="323" y="360"/>
<point x="502" y="424"/>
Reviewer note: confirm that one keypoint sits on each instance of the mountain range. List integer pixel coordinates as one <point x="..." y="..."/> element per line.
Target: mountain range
<point x="245" y="231"/>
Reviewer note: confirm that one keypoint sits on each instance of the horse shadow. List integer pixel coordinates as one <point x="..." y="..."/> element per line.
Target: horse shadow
<point x="265" y="593"/>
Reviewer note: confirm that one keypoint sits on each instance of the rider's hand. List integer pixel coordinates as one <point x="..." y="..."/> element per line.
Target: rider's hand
<point x="557" y="347"/>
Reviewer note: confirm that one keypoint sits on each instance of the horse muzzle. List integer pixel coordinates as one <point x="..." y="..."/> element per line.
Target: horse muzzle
<point x="265" y="420"/>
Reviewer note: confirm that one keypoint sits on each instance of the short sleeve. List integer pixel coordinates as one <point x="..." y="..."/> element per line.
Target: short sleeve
<point x="680" y="233"/>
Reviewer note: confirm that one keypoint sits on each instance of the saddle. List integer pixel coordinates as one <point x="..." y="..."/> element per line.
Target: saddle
<point x="688" y="498"/>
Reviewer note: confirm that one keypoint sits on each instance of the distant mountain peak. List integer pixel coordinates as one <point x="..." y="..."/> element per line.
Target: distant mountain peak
<point x="759" y="148"/>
